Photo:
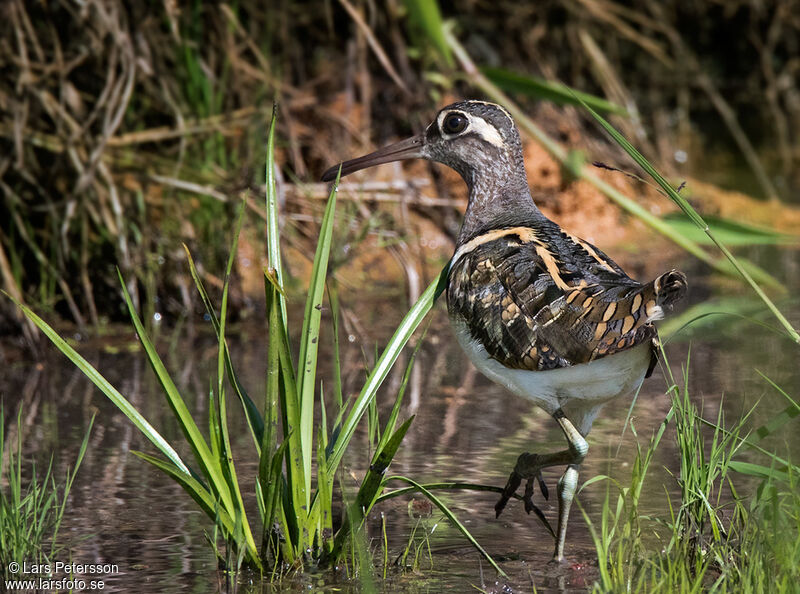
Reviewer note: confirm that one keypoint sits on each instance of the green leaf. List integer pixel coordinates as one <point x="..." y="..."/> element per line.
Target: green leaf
<point x="253" y="416"/>
<point x="388" y="431"/>
<point x="370" y="488"/>
<point x="270" y="486"/>
<point x="295" y="495"/>
<point x="209" y="464"/>
<point x="226" y="461"/>
<point x="539" y="88"/>
<point x="273" y="227"/>
<point x="324" y="497"/>
<point x="205" y="459"/>
<point x="404" y="331"/>
<point x="333" y="299"/>
<point x="712" y="318"/>
<point x="425" y="15"/>
<point x="273" y="395"/>
<point x="692" y="214"/>
<point x="759" y="471"/>
<point x="728" y="231"/>
<point x="453" y="520"/>
<point x="204" y="499"/>
<point x="214" y="437"/>
<point x="290" y="417"/>
<point x="309" y="338"/>
<point x="106" y="388"/>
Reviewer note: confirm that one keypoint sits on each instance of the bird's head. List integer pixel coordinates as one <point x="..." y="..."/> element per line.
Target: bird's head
<point x="473" y="137"/>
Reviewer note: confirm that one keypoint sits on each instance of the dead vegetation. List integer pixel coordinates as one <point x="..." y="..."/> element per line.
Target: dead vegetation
<point x="128" y="128"/>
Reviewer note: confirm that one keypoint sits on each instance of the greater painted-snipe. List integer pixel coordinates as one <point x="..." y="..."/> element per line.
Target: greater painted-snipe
<point x="539" y="311"/>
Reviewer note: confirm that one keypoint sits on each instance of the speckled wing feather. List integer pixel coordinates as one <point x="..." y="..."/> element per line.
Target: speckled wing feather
<point x="541" y="299"/>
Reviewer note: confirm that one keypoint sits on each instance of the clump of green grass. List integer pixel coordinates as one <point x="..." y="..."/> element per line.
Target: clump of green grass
<point x="30" y="517"/>
<point x="418" y="547"/>
<point x="716" y="537"/>
<point x="299" y="457"/>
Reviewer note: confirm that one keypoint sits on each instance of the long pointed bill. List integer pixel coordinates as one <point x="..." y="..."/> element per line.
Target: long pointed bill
<point x="410" y="148"/>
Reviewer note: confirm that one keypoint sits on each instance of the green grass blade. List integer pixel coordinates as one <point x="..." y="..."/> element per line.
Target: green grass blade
<point x="425" y="15"/>
<point x="223" y="314"/>
<point x="226" y="461"/>
<point x="370" y="487"/>
<point x="742" y="441"/>
<point x="79" y="459"/>
<point x="281" y="384"/>
<point x="453" y="520"/>
<point x="781" y="391"/>
<point x="254" y="418"/>
<point x="539" y="88"/>
<point x="273" y="227"/>
<point x="272" y="398"/>
<point x="269" y="487"/>
<point x="404" y="331"/>
<point x="309" y="338"/>
<point x="324" y="497"/>
<point x="68" y="485"/>
<point x="709" y="319"/>
<point x="363" y="562"/>
<point x="295" y="501"/>
<point x="323" y="420"/>
<point x="106" y="388"/>
<point x="203" y="456"/>
<point x="214" y="437"/>
<point x="194" y="488"/>
<point x="729" y="231"/>
<point x="272" y="395"/>
<point x="388" y="431"/>
<point x="694" y="216"/>
<point x="333" y="300"/>
<point x="758" y="470"/>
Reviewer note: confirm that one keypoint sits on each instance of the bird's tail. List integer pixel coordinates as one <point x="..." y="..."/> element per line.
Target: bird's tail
<point x="659" y="295"/>
<point x="670" y="287"/>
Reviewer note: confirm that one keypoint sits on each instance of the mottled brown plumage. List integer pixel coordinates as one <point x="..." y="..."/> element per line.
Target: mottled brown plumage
<point x="542" y="299"/>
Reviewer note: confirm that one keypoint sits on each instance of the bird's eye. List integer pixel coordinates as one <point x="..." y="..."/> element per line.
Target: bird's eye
<point x="454" y="123"/>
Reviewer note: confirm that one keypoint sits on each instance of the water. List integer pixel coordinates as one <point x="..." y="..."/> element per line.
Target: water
<point x="122" y="511"/>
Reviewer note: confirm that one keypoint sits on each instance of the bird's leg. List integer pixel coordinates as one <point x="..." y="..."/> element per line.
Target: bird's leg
<point x="529" y="466"/>
<point x="567" y="485"/>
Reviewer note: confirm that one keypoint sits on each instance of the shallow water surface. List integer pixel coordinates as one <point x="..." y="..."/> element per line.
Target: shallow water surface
<point x="122" y="511"/>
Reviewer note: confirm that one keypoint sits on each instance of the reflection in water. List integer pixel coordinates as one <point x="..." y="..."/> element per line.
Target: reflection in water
<point x="466" y="428"/>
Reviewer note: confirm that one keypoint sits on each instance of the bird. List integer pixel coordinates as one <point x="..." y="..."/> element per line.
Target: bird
<point x="536" y="309"/>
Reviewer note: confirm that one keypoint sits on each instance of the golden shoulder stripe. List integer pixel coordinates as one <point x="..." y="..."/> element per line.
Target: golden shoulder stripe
<point x="526" y="234"/>
<point x="591" y="251"/>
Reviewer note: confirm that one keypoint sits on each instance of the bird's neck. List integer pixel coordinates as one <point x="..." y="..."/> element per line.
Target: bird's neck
<point x="497" y="200"/>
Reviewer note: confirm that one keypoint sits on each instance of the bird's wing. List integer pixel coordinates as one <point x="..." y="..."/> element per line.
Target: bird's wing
<point x="536" y="302"/>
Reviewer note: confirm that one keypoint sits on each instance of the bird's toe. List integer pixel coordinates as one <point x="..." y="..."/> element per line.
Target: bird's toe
<point x="543" y="487"/>
<point x="528" y="466"/>
<point x="513" y="483"/>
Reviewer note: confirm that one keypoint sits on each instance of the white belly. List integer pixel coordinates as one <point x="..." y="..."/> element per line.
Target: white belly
<point x="581" y="389"/>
